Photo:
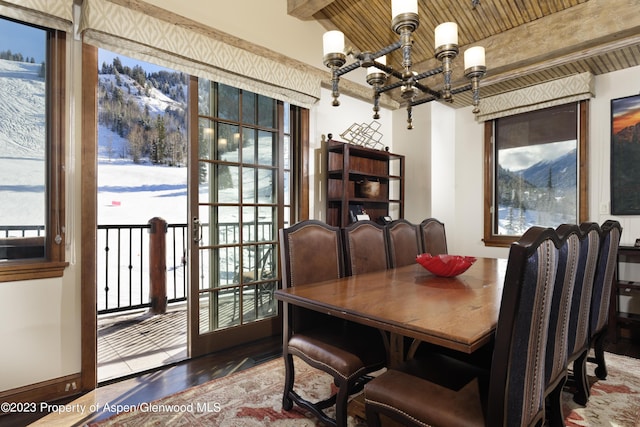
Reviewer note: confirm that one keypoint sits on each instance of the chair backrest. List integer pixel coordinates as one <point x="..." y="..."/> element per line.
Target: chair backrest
<point x="404" y="242"/>
<point x="516" y="382"/>
<point x="365" y="247"/>
<point x="557" y="342"/>
<point x="581" y="300"/>
<point x="434" y="238"/>
<point x="310" y="251"/>
<point x="605" y="272"/>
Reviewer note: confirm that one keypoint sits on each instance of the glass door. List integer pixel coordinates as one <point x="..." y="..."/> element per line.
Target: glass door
<point x="236" y="184"/>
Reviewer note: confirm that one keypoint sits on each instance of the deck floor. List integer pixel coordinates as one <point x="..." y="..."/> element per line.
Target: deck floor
<point x="137" y="341"/>
<point x="133" y="342"/>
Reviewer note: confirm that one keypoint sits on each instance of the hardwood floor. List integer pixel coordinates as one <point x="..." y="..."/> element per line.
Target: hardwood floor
<point x="162" y="382"/>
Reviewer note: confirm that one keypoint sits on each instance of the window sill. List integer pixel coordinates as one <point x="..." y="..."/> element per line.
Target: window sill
<point x="28" y="270"/>
<point x="500" y="241"/>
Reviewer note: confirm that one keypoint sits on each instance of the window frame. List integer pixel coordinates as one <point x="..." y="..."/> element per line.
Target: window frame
<point x="53" y="263"/>
<point x="491" y="239"/>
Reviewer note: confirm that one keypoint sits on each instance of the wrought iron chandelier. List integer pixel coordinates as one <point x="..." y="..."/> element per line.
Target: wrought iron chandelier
<point x="404" y="22"/>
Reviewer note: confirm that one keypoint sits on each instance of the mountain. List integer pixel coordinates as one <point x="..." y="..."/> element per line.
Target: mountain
<point x="563" y="172"/>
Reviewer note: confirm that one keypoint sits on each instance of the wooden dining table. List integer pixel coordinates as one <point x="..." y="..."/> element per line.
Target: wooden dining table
<point x="459" y="313"/>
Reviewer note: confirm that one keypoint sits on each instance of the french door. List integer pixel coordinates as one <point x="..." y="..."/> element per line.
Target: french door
<point x="239" y="195"/>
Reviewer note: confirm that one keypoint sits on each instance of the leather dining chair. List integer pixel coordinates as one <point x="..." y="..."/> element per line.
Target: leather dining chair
<point x="365" y="247"/>
<point x="578" y="345"/>
<point x="444" y="391"/>
<point x="556" y="365"/>
<point x="434" y="238"/>
<point x="611" y="231"/>
<point x="404" y="242"/>
<point x="312" y="251"/>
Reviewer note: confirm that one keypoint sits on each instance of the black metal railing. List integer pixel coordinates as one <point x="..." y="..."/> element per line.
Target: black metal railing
<point x="123" y="259"/>
<point x="123" y="266"/>
<point x="21" y="230"/>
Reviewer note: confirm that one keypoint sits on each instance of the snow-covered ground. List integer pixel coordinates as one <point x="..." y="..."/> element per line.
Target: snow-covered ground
<point x="130" y="193"/>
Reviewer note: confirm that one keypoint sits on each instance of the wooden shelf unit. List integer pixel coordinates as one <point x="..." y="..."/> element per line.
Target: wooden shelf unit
<point x="626" y="254"/>
<point x="348" y="164"/>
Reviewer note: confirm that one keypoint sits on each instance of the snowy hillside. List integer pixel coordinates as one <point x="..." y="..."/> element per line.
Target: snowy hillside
<point x="156" y="101"/>
<point x="21" y="121"/>
<point x="130" y="193"/>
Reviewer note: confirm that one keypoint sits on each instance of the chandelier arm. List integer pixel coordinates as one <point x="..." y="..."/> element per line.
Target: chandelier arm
<point x="389" y="87"/>
<point x="427" y="89"/>
<point x="422" y="101"/>
<point x="387" y="50"/>
<point x="348" y="68"/>
<point x="429" y="73"/>
<point x="389" y="70"/>
<point x="461" y="89"/>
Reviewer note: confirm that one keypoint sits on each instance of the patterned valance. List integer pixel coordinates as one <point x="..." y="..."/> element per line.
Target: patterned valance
<point x="135" y="34"/>
<point x="56" y="14"/>
<point x="556" y="92"/>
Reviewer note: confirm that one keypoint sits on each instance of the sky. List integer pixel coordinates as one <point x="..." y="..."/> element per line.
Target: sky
<point x="515" y="159"/>
<point x="108" y="56"/>
<point x="19" y="38"/>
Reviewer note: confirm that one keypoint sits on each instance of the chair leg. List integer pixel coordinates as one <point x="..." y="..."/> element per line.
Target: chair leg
<point x="342" y="399"/>
<point x="289" y="377"/>
<point x="373" y="417"/>
<point x="581" y="396"/>
<point x="555" y="417"/>
<point x="598" y="349"/>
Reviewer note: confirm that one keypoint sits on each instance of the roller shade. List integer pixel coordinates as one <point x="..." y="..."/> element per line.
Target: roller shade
<point x="574" y="88"/>
<point x="191" y="50"/>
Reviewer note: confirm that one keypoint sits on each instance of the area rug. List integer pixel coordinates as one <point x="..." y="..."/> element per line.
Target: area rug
<point x="253" y="398"/>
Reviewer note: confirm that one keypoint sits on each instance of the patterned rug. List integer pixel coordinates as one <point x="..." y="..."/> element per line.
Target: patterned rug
<point x="253" y="398"/>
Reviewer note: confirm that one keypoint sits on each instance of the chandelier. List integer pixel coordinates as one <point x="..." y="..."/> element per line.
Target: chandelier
<point x="404" y="22"/>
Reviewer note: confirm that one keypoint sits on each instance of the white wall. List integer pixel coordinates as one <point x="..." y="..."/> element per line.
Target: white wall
<point x="608" y="86"/>
<point x="40" y="319"/>
<point x="416" y="145"/>
<point x="326" y="119"/>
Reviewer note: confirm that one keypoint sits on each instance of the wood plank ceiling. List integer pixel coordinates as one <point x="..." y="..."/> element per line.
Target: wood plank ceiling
<point x="526" y="41"/>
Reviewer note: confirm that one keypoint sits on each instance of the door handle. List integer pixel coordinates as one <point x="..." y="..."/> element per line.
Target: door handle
<point x="197" y="230"/>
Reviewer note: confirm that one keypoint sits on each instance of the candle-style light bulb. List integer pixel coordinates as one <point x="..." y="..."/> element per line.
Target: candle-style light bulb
<point x="446" y="34"/>
<point x="474" y="56"/>
<point x="399" y="7"/>
<point x="333" y="42"/>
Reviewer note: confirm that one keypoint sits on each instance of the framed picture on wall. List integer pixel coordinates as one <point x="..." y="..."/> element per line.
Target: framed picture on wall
<point x="625" y="155"/>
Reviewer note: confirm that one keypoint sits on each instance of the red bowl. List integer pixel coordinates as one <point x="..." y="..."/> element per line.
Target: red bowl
<point x="445" y="265"/>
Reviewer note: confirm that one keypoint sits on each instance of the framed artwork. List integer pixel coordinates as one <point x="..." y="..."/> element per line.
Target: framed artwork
<point x="625" y="155"/>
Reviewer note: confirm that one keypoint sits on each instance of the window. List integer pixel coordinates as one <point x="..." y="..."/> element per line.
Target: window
<point x="32" y="88"/>
<point x="535" y="171"/>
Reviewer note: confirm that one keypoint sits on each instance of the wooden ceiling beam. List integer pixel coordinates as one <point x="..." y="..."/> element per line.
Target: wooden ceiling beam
<point x="305" y="9"/>
<point x="579" y="32"/>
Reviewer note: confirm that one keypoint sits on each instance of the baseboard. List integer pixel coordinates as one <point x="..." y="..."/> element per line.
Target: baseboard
<point x="46" y="391"/>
